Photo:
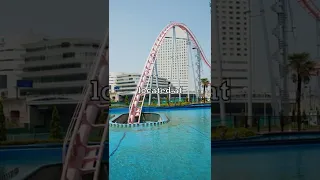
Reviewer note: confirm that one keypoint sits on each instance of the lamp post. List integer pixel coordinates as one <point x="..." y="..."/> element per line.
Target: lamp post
<point x="265" y="107"/>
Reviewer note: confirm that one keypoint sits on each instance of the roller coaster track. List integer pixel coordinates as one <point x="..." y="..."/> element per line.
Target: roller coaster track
<point x="137" y="101"/>
<point x="311" y="8"/>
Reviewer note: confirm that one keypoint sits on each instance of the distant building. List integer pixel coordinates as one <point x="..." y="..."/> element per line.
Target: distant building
<point x="126" y="84"/>
<point x="112" y="85"/>
<point x="10" y="61"/>
<point x="58" y="69"/>
<point x="15" y="109"/>
<point x="112" y="80"/>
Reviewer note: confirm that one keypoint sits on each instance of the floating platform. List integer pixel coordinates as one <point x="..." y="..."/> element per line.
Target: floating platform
<point x="53" y="172"/>
<point x="146" y="120"/>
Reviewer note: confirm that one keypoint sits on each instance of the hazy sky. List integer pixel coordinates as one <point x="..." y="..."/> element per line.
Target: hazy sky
<point x="305" y="38"/>
<point x="58" y="18"/>
<point x="135" y="25"/>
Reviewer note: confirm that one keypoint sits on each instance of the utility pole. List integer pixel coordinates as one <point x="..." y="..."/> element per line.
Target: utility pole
<point x="274" y="103"/>
<point x="249" y="92"/>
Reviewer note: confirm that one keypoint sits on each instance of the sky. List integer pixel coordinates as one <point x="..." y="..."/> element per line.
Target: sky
<point x="135" y="25"/>
<point x="55" y="18"/>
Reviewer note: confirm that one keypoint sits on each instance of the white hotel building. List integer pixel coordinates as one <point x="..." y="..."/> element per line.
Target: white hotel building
<point x="181" y="64"/>
<point x="235" y="43"/>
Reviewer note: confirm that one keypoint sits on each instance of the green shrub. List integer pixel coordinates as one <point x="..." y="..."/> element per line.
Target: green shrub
<point x="224" y="133"/>
<point x="126" y="100"/>
<point x="55" y="128"/>
<point x="3" y="129"/>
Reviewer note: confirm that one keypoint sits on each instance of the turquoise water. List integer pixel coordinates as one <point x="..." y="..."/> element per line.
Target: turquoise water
<point x="177" y="150"/>
<point x="267" y="163"/>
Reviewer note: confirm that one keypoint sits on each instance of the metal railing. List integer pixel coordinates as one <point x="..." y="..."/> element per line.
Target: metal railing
<point x="269" y="124"/>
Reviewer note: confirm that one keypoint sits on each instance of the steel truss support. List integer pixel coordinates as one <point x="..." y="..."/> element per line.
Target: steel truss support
<point x="198" y="73"/>
<point x="281" y="33"/>
<point x="192" y="65"/>
<point x="154" y="74"/>
<point x="274" y="103"/>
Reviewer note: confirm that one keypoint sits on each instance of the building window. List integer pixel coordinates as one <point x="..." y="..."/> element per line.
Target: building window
<point x="3" y="81"/>
<point x="65" y="44"/>
<point x="68" y="55"/>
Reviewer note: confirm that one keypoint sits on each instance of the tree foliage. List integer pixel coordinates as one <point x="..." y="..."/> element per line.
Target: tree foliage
<point x="205" y="83"/>
<point x="126" y="100"/>
<point x="168" y="100"/>
<point x="55" y="128"/>
<point x="302" y="67"/>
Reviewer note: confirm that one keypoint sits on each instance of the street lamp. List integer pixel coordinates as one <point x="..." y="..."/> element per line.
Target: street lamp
<point x="265" y="107"/>
<point x="169" y="95"/>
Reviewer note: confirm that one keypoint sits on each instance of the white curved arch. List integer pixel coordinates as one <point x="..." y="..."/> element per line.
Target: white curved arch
<point x="134" y="110"/>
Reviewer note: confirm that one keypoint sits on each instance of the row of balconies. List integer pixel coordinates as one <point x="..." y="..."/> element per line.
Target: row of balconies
<point x="59" y="84"/>
<point x="58" y="51"/>
<point x="55" y="72"/>
<point x="56" y="61"/>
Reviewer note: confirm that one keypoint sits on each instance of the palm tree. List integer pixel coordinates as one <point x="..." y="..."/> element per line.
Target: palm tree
<point x="302" y="67"/>
<point x="205" y="83"/>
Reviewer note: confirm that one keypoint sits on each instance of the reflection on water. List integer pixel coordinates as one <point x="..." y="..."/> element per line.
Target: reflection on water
<point x="2" y="171"/>
<point x="276" y="163"/>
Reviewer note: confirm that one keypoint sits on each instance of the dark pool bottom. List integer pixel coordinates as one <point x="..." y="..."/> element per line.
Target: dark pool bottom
<point x="291" y="158"/>
<point x="37" y="161"/>
<point x="55" y="171"/>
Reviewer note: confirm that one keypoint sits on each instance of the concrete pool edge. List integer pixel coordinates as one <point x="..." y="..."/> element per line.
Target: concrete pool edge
<point x="254" y="141"/>
<point x="163" y="120"/>
<point x="43" y="145"/>
<point x="264" y="143"/>
<point x="165" y="107"/>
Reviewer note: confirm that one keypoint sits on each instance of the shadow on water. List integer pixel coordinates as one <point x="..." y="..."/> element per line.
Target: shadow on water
<point x="53" y="172"/>
<point x="7" y="175"/>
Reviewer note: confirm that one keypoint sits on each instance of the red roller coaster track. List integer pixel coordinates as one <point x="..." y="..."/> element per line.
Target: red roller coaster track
<point x="311" y="8"/>
<point x="138" y="98"/>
